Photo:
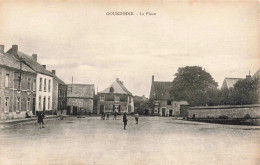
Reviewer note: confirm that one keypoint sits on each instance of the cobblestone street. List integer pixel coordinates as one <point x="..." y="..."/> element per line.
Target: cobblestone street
<point x="156" y="140"/>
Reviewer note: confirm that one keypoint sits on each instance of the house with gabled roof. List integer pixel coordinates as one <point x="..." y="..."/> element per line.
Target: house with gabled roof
<point x="229" y="82"/>
<point x="162" y="102"/>
<point x="44" y="80"/>
<point x="17" y="87"/>
<point x="59" y="95"/>
<point x="115" y="99"/>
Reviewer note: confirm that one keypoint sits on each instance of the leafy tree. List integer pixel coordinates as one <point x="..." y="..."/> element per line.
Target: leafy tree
<point x="195" y="85"/>
<point x="246" y="91"/>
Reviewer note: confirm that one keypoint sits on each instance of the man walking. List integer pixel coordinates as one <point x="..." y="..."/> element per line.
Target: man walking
<point x="136" y="118"/>
<point x="40" y="120"/>
<point x="125" y="120"/>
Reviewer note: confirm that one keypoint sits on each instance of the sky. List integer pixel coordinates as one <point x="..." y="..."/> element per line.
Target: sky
<point x="79" y="39"/>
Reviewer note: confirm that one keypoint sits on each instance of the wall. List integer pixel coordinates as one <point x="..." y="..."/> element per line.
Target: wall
<point x="175" y="107"/>
<point x="55" y="95"/>
<point x="86" y="104"/>
<point x="108" y="105"/>
<point x="13" y="93"/>
<point x="229" y="111"/>
<point x="43" y="93"/>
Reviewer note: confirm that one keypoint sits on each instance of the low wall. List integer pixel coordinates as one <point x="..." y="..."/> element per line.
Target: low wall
<point x="230" y="112"/>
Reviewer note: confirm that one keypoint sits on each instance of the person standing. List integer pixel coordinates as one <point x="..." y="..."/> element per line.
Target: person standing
<point x="40" y="120"/>
<point x="125" y="120"/>
<point x="136" y="118"/>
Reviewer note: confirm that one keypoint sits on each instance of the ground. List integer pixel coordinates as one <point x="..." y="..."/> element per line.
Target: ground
<point x="155" y="140"/>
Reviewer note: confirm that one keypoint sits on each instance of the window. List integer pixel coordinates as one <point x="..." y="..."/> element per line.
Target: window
<point x="49" y="102"/>
<point x="117" y="99"/>
<point x="18" y="104"/>
<point x="34" y="85"/>
<point x="29" y="84"/>
<point x="28" y="103"/>
<point x="158" y="110"/>
<point x="6" y="104"/>
<point x="40" y="85"/>
<point x="44" y="86"/>
<point x="59" y="93"/>
<point x="7" y="80"/>
<point x="169" y="102"/>
<point x="40" y="103"/>
<point x="155" y="110"/>
<point x="49" y="86"/>
<point x="101" y="98"/>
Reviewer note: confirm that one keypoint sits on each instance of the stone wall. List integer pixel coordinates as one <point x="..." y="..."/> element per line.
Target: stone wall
<point x="232" y="112"/>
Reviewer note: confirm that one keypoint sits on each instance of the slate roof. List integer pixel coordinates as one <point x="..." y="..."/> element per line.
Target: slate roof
<point x="229" y="82"/>
<point x="58" y="80"/>
<point x="161" y="90"/>
<point x="118" y="88"/>
<point x="12" y="62"/>
<point x="81" y="91"/>
<point x="32" y="63"/>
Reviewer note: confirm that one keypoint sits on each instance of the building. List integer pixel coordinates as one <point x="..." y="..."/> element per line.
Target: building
<point x="142" y="105"/>
<point x="115" y="98"/>
<point x="80" y="98"/>
<point x="59" y="95"/>
<point x="229" y="82"/>
<point x="17" y="87"/>
<point x="162" y="103"/>
<point x="44" y="80"/>
<point x="257" y="74"/>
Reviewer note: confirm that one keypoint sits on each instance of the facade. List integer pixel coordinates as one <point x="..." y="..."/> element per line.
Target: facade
<point x="44" y="80"/>
<point x="115" y="98"/>
<point x="59" y="95"/>
<point x="80" y="98"/>
<point x="162" y="103"/>
<point x="17" y="87"/>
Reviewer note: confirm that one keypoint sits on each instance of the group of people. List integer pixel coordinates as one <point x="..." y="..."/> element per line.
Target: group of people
<point x="105" y="116"/>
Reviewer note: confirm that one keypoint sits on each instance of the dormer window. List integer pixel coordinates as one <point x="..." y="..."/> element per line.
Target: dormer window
<point x="111" y="90"/>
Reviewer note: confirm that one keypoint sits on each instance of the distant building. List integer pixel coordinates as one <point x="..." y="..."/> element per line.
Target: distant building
<point x="162" y="103"/>
<point x="59" y="101"/>
<point x="115" y="98"/>
<point x="229" y="82"/>
<point x="44" y="80"/>
<point x="142" y="105"/>
<point x="17" y="87"/>
<point x="80" y="98"/>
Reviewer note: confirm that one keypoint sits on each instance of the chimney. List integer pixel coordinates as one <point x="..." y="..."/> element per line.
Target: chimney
<point x="53" y="71"/>
<point x="152" y="78"/>
<point x="2" y="49"/>
<point x="34" y="56"/>
<point x="248" y="76"/>
<point x="15" y="49"/>
<point x="44" y="66"/>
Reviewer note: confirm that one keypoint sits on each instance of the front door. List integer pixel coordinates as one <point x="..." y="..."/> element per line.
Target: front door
<point x="163" y="112"/>
<point x="33" y="108"/>
<point x="116" y="108"/>
<point x="170" y="112"/>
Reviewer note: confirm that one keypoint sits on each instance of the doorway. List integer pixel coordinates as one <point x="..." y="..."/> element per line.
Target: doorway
<point x="163" y="111"/>
<point x="44" y="102"/>
<point x="170" y="112"/>
<point x="116" y="108"/>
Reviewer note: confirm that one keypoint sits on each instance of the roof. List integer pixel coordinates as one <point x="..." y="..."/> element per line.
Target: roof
<point x="58" y="80"/>
<point x="81" y="90"/>
<point x="230" y="82"/>
<point x="257" y="74"/>
<point x="118" y="88"/>
<point x="12" y="62"/>
<point x="161" y="90"/>
<point x="32" y="63"/>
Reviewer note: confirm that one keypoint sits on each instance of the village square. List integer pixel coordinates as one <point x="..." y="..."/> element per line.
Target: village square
<point x="149" y="83"/>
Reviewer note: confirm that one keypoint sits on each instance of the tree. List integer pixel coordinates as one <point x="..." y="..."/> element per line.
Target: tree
<point x="246" y="91"/>
<point x="195" y="85"/>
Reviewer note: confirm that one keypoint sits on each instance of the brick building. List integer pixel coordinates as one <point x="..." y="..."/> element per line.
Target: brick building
<point x="115" y="98"/>
<point x="17" y="87"/>
<point x="162" y="103"/>
<point x="44" y="80"/>
<point x="59" y="95"/>
<point x="80" y="98"/>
